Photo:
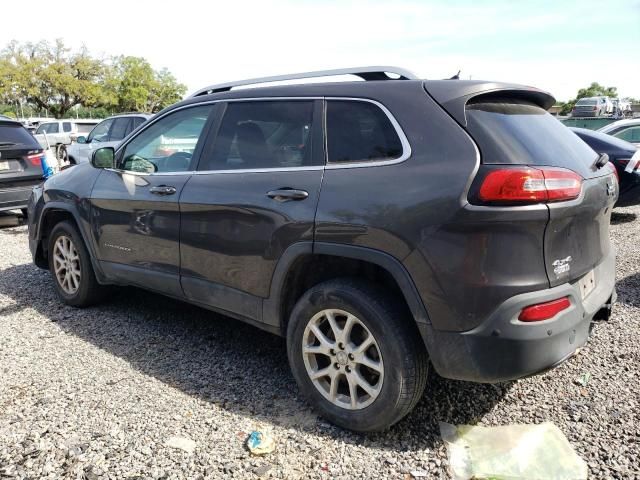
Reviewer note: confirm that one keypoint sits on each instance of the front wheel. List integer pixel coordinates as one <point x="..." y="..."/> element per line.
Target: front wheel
<point x="70" y="267"/>
<point x="356" y="354"/>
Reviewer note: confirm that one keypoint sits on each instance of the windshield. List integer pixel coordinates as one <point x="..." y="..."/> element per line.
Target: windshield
<point x="511" y="131"/>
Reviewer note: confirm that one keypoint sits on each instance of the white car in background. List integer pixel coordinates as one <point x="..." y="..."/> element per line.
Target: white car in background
<point x="57" y="135"/>
<point x="108" y="133"/>
<point x="628" y="130"/>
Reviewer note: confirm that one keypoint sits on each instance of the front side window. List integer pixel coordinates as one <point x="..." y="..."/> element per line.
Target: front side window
<point x="168" y="144"/>
<point x="101" y="132"/>
<point x="47" y="128"/>
<point x="263" y="134"/>
<point x="119" y="129"/>
<point x="360" y="131"/>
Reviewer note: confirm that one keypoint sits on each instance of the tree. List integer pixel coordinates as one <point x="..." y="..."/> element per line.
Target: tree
<point x="593" y="90"/>
<point x="133" y="85"/>
<point x="51" y="77"/>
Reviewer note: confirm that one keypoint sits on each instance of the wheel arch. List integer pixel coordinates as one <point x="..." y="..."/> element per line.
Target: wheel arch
<point x="52" y="214"/>
<point x="291" y="277"/>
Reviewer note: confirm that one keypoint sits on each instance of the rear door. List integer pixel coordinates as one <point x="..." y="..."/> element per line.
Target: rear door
<point x="135" y="212"/>
<point x="255" y="193"/>
<point x="516" y="132"/>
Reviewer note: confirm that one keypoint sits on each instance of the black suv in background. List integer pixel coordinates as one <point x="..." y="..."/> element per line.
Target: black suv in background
<point x="380" y="225"/>
<point x="20" y="165"/>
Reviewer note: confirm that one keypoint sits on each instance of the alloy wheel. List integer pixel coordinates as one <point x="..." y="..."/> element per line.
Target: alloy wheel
<point x="342" y="359"/>
<point x="66" y="264"/>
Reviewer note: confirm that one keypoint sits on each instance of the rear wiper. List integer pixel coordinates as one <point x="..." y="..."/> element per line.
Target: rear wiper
<point x="601" y="161"/>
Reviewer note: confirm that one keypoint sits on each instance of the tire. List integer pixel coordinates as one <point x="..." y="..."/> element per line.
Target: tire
<point x="86" y="291"/>
<point x="25" y="212"/>
<point x="398" y="353"/>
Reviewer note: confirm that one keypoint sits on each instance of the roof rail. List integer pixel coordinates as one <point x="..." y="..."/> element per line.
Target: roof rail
<point x="366" y="73"/>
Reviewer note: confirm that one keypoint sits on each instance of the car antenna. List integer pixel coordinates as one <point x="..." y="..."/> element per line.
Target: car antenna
<point x="456" y="76"/>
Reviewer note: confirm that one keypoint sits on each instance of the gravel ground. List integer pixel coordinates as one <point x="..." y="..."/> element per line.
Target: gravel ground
<point x="97" y="393"/>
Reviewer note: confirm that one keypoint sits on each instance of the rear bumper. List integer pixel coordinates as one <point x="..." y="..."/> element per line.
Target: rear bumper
<point x="12" y="198"/>
<point x="502" y="348"/>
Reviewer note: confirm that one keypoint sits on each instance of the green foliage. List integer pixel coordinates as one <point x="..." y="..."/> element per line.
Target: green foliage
<point x="135" y="86"/>
<point x="593" y="90"/>
<point x="53" y="78"/>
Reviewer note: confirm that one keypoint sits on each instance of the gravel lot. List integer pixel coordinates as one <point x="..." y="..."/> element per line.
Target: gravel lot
<point x="97" y="393"/>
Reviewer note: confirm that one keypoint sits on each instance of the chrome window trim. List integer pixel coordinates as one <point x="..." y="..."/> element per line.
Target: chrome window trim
<point x="406" y="147"/>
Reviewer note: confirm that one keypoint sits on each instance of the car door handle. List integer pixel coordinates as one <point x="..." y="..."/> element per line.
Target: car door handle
<point x="286" y="194"/>
<point x="163" y="190"/>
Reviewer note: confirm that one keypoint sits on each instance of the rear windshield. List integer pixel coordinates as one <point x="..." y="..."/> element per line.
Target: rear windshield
<point x="585" y="101"/>
<point x="11" y="135"/>
<point x="513" y="131"/>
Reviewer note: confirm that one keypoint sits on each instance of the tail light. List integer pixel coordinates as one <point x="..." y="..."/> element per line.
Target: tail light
<point x="615" y="170"/>
<point x="524" y="185"/>
<point x="544" y="311"/>
<point x="35" y="159"/>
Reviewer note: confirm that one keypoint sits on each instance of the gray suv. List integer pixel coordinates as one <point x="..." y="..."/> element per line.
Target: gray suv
<point x="382" y="226"/>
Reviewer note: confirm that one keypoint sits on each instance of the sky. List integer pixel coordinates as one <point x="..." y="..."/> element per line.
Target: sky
<point x="559" y="45"/>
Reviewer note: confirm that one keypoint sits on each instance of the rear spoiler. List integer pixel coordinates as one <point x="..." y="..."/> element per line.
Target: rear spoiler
<point x="454" y="96"/>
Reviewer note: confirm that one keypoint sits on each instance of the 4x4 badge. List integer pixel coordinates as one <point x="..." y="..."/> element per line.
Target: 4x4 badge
<point x="561" y="266"/>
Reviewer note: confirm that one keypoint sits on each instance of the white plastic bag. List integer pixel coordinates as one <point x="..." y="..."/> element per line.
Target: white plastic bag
<point x="511" y="452"/>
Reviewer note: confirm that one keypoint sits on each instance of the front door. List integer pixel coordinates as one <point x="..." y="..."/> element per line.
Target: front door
<point x="255" y="193"/>
<point x="135" y="210"/>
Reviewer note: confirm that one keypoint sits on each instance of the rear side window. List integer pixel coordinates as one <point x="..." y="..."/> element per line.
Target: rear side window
<point x="630" y="134"/>
<point x="66" y="126"/>
<point x="514" y="131"/>
<point x="137" y="121"/>
<point x="15" y="134"/>
<point x="269" y="134"/>
<point x="360" y="131"/>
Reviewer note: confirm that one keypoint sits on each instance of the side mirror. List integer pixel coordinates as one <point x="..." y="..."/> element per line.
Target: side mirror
<point x="81" y="139"/>
<point x="103" y="158"/>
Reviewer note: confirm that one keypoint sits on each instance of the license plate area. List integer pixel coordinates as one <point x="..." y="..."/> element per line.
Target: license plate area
<point x="587" y="284"/>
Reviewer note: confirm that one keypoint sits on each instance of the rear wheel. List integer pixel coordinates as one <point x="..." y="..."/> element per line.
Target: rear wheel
<point x="356" y="354"/>
<point x="70" y="267"/>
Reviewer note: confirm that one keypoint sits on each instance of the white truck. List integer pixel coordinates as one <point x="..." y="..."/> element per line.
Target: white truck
<point x="58" y="134"/>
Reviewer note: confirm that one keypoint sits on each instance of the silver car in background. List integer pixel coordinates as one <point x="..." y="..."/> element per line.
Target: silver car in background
<point x="107" y="133"/>
<point x="628" y="130"/>
<point x="592" y="107"/>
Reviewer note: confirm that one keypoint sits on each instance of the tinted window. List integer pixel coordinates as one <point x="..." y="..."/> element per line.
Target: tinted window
<point x="137" y="121"/>
<point x="360" y="131"/>
<point x="14" y="134"/>
<point x="48" y="128"/>
<point x="66" y="126"/>
<point x="586" y="101"/>
<point x="119" y="129"/>
<point x="168" y="144"/>
<point x="101" y="132"/>
<point x="510" y="131"/>
<point x="273" y="134"/>
<point x="631" y="134"/>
